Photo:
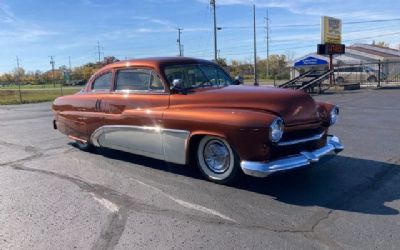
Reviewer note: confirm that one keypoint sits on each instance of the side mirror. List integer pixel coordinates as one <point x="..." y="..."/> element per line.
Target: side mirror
<point x="238" y="80"/>
<point x="177" y="84"/>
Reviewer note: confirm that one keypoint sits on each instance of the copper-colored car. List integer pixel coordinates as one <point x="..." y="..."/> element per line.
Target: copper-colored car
<point x="185" y="110"/>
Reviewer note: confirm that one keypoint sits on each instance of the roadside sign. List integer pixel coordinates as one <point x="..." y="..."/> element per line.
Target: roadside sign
<point x="331" y="30"/>
<point x="331" y="49"/>
<point x="310" y="61"/>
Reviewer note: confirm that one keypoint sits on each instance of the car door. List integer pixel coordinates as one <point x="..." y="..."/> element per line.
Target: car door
<point x="98" y="91"/>
<point x="134" y="111"/>
<point x="86" y="115"/>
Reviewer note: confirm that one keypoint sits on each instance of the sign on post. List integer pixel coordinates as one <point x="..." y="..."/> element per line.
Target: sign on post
<point x="331" y="36"/>
<point x="331" y="40"/>
<point x="331" y="30"/>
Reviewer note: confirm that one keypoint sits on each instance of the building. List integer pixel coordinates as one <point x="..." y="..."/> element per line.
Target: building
<point x="356" y="54"/>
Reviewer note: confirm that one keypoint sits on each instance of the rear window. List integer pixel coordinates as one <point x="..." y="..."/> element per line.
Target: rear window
<point x="103" y="82"/>
<point x="138" y="80"/>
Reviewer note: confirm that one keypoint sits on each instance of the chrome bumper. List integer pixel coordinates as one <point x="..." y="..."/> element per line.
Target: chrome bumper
<point x="263" y="169"/>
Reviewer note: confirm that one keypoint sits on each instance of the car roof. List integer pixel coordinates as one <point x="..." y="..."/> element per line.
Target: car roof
<point x="155" y="62"/>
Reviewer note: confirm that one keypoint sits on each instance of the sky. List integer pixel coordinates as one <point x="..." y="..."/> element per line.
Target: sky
<point x="33" y="30"/>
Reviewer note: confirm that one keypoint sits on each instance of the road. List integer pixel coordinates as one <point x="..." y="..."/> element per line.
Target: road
<point x="53" y="196"/>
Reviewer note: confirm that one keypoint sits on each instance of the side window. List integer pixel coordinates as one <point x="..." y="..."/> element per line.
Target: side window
<point x="103" y="82"/>
<point x="216" y="75"/>
<point x="138" y="80"/>
<point x="191" y="75"/>
<point x="156" y="83"/>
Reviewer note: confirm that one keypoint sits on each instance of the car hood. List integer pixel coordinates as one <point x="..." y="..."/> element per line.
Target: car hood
<point x="295" y="107"/>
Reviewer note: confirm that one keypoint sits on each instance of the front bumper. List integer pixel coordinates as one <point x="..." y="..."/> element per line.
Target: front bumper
<point x="263" y="169"/>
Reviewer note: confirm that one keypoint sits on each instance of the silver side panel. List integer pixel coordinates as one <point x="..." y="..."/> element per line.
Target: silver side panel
<point x="154" y="142"/>
<point x="175" y="145"/>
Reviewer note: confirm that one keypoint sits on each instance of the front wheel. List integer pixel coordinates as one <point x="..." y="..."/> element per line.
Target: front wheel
<point x="217" y="161"/>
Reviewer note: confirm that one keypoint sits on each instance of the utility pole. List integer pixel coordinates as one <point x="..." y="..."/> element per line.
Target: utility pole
<point x="213" y="4"/>
<point x="255" y="46"/>
<point x="179" y="41"/>
<point x="267" y="40"/>
<point x="18" y="81"/>
<point x="99" y="51"/>
<point x="52" y="62"/>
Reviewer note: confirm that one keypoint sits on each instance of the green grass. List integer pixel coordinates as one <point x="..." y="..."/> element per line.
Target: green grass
<point x="10" y="96"/>
<point x="35" y="86"/>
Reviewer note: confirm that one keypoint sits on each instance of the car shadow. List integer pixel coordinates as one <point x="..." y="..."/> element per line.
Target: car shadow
<point x="340" y="183"/>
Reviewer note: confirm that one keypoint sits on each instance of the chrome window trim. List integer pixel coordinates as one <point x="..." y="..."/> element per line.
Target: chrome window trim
<point x="174" y="142"/>
<point x="147" y="91"/>
<point x="302" y="140"/>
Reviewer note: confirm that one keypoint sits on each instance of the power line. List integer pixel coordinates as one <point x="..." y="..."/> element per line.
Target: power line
<point x="314" y="24"/>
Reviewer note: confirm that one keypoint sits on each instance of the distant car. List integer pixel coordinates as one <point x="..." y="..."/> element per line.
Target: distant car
<point x="357" y="74"/>
<point x="184" y="110"/>
<point x="75" y="82"/>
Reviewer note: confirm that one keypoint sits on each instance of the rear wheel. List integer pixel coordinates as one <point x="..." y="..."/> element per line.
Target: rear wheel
<point x="372" y="79"/>
<point x="85" y="146"/>
<point x="339" y="80"/>
<point x="217" y="161"/>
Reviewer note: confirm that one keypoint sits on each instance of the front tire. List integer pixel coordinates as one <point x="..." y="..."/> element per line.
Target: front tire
<point x="217" y="160"/>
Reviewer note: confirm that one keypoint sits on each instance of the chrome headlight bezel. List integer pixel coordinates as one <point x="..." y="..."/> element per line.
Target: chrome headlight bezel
<point x="276" y="130"/>
<point x="333" y="116"/>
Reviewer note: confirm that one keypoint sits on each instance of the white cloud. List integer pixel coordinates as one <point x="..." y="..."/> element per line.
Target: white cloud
<point x="17" y="29"/>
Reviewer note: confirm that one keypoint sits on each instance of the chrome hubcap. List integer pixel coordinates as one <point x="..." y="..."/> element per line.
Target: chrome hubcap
<point x="216" y="156"/>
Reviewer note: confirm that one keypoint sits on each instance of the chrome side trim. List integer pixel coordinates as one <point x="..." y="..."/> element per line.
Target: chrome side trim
<point x="263" y="169"/>
<point x="302" y="140"/>
<point x="155" y="142"/>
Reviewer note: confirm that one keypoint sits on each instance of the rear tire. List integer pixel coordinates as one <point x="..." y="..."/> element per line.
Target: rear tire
<point x="340" y="80"/>
<point x="83" y="146"/>
<point x="217" y="161"/>
<point x="372" y="79"/>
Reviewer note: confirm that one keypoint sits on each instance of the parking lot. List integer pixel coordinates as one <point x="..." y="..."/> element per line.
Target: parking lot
<point x="54" y="196"/>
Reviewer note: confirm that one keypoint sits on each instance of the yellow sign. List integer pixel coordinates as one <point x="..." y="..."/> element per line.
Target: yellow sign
<point x="331" y="30"/>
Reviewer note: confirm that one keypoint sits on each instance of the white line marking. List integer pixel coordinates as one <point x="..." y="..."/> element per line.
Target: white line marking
<point x="187" y="204"/>
<point x="112" y="207"/>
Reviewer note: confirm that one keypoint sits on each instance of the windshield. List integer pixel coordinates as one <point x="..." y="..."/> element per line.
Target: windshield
<point x="197" y="75"/>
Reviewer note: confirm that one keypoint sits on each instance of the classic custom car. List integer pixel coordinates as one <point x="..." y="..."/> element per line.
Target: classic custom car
<point x="185" y="110"/>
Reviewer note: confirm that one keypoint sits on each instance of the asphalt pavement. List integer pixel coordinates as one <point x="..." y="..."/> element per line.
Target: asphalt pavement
<point x="54" y="196"/>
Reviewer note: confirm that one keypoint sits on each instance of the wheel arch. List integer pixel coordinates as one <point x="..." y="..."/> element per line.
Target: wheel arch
<point x="193" y="141"/>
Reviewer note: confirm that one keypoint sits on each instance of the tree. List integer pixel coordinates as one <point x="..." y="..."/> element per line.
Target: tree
<point x="109" y="60"/>
<point x="381" y="44"/>
<point x="277" y="67"/>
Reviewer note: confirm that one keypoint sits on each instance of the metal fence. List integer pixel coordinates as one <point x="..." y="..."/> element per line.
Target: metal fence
<point x="370" y="73"/>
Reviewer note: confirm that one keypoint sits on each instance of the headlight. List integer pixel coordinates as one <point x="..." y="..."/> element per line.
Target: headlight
<point x="334" y="115"/>
<point x="276" y="130"/>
